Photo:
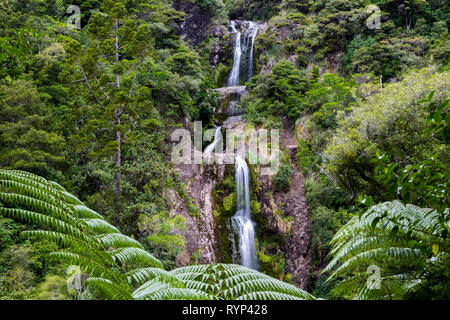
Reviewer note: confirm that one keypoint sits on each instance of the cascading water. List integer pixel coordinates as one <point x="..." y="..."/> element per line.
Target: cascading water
<point x="241" y="222"/>
<point x="242" y="226"/>
<point x="243" y="59"/>
<point x="217" y="137"/>
<point x="254" y="27"/>
<point x="233" y="80"/>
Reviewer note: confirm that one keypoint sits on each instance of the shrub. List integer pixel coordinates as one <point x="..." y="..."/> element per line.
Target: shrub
<point x="282" y="180"/>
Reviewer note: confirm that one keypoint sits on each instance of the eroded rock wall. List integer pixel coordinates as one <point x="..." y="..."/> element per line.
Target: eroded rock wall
<point x="292" y="203"/>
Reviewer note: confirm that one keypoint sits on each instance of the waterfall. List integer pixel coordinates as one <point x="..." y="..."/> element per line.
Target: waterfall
<point x="254" y="28"/>
<point x="243" y="59"/>
<point x="241" y="222"/>
<point x="233" y="80"/>
<point x="217" y="137"/>
<point x="243" y="230"/>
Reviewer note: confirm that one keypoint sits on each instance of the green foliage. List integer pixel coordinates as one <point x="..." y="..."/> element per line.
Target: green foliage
<point x="118" y="266"/>
<point x="282" y="180"/>
<point x="322" y="193"/>
<point x="393" y="56"/>
<point x="53" y="288"/>
<point x="393" y="123"/>
<point x="425" y="183"/>
<point x="13" y="57"/>
<point x="276" y="93"/>
<point x="326" y="97"/>
<point x="17" y="277"/>
<point x="210" y="5"/>
<point x="194" y="211"/>
<point x="229" y="202"/>
<point x="26" y="137"/>
<point x="303" y="155"/>
<point x="325" y="223"/>
<point x="407" y="244"/>
<point x="205" y="101"/>
<point x="271" y="259"/>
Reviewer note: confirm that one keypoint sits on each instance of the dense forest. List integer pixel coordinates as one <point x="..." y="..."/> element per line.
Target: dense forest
<point x="92" y="205"/>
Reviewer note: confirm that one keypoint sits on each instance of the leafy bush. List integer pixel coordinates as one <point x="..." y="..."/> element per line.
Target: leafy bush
<point x="393" y="123"/>
<point x="282" y="180"/>
<point x="325" y="194"/>
<point x="209" y="5"/>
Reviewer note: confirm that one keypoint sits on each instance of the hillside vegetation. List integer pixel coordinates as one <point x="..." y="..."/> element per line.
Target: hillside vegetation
<point x="359" y="88"/>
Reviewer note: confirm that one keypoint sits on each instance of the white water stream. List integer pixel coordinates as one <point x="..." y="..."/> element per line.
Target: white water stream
<point x="241" y="223"/>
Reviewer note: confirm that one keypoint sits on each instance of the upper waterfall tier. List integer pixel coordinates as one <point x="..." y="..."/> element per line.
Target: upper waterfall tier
<point x="243" y="58"/>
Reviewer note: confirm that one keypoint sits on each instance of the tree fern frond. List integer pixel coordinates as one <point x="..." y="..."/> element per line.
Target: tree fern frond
<point x="107" y="288"/>
<point x="40" y="219"/>
<point x="267" y="295"/>
<point x="117" y="240"/>
<point x="142" y="275"/>
<point x="365" y="257"/>
<point x="61" y="239"/>
<point x="202" y="286"/>
<point x="270" y="285"/>
<point x="84" y="212"/>
<point x="242" y="277"/>
<point x="135" y="256"/>
<point x="34" y="191"/>
<point x="33" y="204"/>
<point x="100" y="226"/>
<point x="178" y="294"/>
<point x="150" y="287"/>
<point x="191" y="269"/>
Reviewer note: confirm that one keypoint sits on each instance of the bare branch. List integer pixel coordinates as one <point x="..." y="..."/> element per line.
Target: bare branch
<point x="89" y="86"/>
<point x="134" y="78"/>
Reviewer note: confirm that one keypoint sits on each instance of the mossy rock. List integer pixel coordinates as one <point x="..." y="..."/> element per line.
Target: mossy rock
<point x="222" y="73"/>
<point x="229" y="203"/>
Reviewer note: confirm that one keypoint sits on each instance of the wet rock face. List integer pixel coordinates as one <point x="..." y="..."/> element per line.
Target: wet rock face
<point x="200" y="230"/>
<point x="229" y="102"/>
<point x="234" y="122"/>
<point x="197" y="26"/>
<point x="297" y="247"/>
<point x="194" y="29"/>
<point x="222" y="44"/>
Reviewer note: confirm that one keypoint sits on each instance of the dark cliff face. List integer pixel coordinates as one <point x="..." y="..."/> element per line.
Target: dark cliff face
<point x="194" y="29"/>
<point x="297" y="246"/>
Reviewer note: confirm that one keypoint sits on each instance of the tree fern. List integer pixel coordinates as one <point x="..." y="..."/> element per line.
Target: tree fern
<point x="118" y="266"/>
<point x="402" y="240"/>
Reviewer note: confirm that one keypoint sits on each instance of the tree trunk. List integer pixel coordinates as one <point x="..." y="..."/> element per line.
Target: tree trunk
<point x="118" y="133"/>
<point x="118" y="175"/>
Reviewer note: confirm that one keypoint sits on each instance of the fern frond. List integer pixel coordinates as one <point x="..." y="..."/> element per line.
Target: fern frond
<point x="107" y="289"/>
<point x="117" y="240"/>
<point x="267" y="295"/>
<point x="142" y="275"/>
<point x="135" y="256"/>
<point x="100" y="226"/>
<point x="178" y="294"/>
<point x="84" y="212"/>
